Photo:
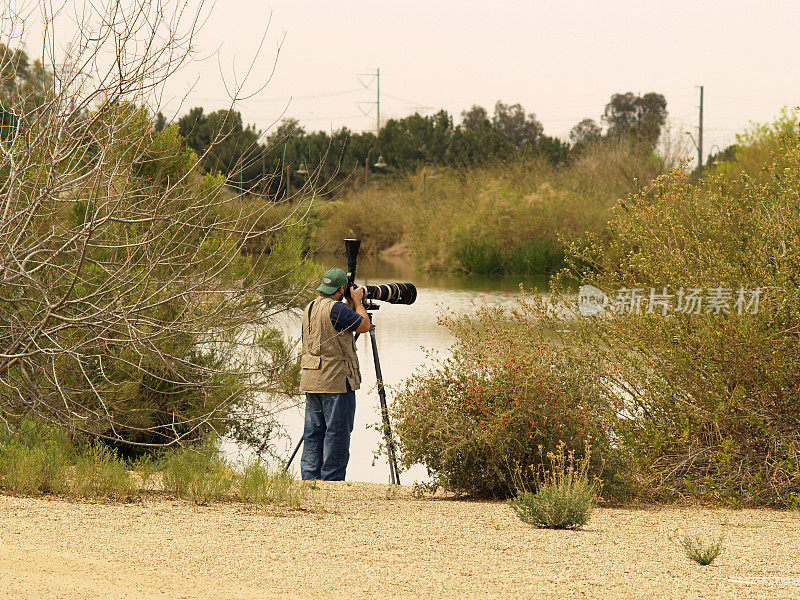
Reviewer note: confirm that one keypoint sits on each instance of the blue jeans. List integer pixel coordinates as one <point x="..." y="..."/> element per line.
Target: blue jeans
<point x="326" y="437"/>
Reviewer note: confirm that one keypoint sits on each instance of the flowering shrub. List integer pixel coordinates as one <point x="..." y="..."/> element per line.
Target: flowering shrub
<point x="476" y="417"/>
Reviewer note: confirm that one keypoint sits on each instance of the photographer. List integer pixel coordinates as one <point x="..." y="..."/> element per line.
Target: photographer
<point x="330" y="375"/>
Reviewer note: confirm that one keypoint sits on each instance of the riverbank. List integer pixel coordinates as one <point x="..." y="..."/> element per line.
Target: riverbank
<point x="373" y="541"/>
<point x="506" y="218"/>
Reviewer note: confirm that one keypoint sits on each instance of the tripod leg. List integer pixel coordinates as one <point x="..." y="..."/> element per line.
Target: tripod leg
<point x="394" y="476"/>
<point x="291" y="458"/>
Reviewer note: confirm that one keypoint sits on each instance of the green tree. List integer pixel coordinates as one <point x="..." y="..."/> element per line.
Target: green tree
<point x="511" y="122"/>
<point x="639" y="117"/>
<point x="25" y="87"/>
<point x="416" y="140"/>
<point x="553" y="149"/>
<point x="585" y="132"/>
<point x="224" y="144"/>
<point x="478" y="146"/>
<point x="475" y="118"/>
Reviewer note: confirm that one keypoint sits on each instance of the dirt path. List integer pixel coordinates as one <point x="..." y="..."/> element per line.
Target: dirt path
<point x="367" y="541"/>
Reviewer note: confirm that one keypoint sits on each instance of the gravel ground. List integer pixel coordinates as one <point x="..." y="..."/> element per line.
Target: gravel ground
<point x="372" y="541"/>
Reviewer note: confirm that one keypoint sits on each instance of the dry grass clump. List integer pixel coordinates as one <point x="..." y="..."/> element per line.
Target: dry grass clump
<point x="564" y="493"/>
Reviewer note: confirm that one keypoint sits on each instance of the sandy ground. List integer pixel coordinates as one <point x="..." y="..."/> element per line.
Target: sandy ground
<point x="373" y="541"/>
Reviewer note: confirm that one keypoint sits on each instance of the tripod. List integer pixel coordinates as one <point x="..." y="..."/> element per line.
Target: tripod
<point x="394" y="476"/>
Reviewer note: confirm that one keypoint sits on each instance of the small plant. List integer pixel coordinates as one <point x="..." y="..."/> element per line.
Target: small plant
<point x="563" y="499"/>
<point x="197" y="474"/>
<point x="392" y="492"/>
<point x="145" y="467"/>
<point x="260" y="484"/>
<point x="422" y="488"/>
<point x="698" y="551"/>
<point x="100" y="473"/>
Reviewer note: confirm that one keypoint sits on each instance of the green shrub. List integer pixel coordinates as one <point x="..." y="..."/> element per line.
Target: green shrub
<point x="709" y="400"/>
<point x="25" y="471"/>
<point x="262" y="485"/>
<point x="563" y="497"/>
<point x="34" y="460"/>
<point x="198" y="474"/>
<point x="505" y="391"/>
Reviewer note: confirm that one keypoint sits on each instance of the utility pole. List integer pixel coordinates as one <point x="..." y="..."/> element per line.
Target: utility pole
<point x="700" y="133"/>
<point x="377" y="103"/>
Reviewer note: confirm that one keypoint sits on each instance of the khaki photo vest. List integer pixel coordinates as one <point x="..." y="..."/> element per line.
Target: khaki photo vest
<point x="329" y="357"/>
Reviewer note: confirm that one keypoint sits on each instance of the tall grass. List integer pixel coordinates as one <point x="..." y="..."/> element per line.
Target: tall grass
<point x="264" y="485"/>
<point x="199" y="475"/>
<point x="99" y="473"/>
<point x="504" y="218"/>
<point x="39" y="459"/>
<point x="34" y="461"/>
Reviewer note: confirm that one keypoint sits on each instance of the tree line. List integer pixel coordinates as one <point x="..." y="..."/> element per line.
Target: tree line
<point x="289" y="156"/>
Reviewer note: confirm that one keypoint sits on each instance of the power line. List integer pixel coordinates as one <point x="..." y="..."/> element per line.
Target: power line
<point x="332" y="118"/>
<point x="284" y="99"/>
<point x="414" y="102"/>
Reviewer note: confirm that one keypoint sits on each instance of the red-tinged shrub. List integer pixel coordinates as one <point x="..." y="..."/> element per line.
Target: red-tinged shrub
<point x="479" y="418"/>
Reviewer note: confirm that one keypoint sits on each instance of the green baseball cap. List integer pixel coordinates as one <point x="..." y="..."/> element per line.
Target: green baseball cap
<point x="332" y="280"/>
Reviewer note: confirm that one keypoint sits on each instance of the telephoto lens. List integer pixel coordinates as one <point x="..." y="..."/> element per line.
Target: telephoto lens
<point x="393" y="293"/>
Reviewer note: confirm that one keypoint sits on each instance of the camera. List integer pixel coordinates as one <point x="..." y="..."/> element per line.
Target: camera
<point x="393" y="293"/>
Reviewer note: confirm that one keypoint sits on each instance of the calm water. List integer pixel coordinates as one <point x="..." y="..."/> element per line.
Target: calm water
<point x="403" y="334"/>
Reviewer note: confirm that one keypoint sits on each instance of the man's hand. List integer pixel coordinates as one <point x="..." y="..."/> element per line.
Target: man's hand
<point x="355" y="297"/>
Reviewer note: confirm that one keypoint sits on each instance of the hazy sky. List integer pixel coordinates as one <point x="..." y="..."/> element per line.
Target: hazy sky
<point x="560" y="60"/>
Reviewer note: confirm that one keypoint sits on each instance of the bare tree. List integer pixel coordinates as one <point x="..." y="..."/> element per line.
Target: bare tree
<point x="128" y="310"/>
